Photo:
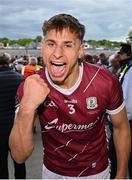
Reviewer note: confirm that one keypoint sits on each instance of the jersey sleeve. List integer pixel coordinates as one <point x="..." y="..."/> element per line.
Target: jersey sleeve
<point x="116" y="101"/>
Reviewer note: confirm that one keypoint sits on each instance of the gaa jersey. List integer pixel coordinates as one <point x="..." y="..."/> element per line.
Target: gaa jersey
<point x="73" y="122"/>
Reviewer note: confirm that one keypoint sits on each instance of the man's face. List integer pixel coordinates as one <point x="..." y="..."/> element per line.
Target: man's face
<point x="115" y="61"/>
<point x="122" y="56"/>
<point x="33" y="62"/>
<point x="60" y="51"/>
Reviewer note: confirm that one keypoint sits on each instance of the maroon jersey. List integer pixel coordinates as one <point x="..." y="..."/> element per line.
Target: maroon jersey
<point x="73" y="122"/>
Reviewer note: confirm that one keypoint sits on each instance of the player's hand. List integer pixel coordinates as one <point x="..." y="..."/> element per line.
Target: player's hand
<point x="35" y="92"/>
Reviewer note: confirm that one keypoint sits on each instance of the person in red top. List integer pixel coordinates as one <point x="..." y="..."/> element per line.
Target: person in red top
<point x="71" y="99"/>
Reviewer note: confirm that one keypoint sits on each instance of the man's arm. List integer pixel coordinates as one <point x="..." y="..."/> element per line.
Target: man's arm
<point x="127" y="91"/>
<point x="21" y="140"/>
<point x="122" y="141"/>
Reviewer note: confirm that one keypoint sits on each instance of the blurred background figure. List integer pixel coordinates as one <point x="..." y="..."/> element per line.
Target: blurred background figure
<point x="9" y="82"/>
<point x="114" y="65"/>
<point x="18" y="65"/>
<point x="103" y="60"/>
<point x="125" y="78"/>
<point x="95" y="59"/>
<point x="88" y="58"/>
<point x="30" y="68"/>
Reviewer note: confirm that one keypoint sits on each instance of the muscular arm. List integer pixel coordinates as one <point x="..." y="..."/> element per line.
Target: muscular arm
<point x="122" y="141"/>
<point x="21" y="140"/>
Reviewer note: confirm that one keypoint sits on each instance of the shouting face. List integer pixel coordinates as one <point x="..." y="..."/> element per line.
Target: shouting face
<point x="60" y="51"/>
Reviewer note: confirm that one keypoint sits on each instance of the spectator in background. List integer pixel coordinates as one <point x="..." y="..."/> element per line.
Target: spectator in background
<point x="95" y="59"/>
<point x="125" y="78"/>
<point x="125" y="61"/>
<point x="30" y="68"/>
<point x="103" y="60"/>
<point x="18" y="65"/>
<point x="40" y="60"/>
<point x="9" y="82"/>
<point x="39" y="64"/>
<point x="88" y="58"/>
<point x="114" y="65"/>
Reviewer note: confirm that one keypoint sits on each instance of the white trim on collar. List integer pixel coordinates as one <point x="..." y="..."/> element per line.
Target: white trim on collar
<point x="63" y="90"/>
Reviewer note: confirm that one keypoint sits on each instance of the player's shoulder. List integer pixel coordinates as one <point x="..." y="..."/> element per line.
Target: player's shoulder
<point x="101" y="74"/>
<point x="101" y="70"/>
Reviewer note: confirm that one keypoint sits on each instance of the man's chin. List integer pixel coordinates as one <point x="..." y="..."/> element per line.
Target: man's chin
<point x="57" y="82"/>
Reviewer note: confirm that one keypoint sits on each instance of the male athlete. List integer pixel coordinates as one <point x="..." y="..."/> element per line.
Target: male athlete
<point x="71" y="100"/>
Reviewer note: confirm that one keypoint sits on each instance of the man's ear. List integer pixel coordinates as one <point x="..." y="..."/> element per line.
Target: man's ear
<point x="81" y="50"/>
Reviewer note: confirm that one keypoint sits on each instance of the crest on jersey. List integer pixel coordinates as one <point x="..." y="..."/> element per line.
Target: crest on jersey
<point x="91" y="103"/>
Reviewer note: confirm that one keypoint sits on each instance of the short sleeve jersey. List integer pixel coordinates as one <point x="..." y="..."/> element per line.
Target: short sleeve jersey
<point x="73" y="122"/>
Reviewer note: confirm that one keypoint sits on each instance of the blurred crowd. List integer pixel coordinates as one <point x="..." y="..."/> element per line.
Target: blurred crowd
<point x="26" y="65"/>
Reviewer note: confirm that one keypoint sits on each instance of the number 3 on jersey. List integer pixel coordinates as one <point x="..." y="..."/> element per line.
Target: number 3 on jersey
<point x="71" y="108"/>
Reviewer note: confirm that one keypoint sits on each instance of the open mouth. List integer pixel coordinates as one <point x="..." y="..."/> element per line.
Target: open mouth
<point x="58" y="68"/>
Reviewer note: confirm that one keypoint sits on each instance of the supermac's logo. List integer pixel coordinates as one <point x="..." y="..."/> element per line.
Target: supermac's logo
<point x="91" y="103"/>
<point x="65" y="128"/>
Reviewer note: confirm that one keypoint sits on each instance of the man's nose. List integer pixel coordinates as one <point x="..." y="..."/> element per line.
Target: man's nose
<point x="58" y="51"/>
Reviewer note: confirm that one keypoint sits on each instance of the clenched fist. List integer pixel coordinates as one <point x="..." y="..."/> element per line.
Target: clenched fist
<point x="35" y="91"/>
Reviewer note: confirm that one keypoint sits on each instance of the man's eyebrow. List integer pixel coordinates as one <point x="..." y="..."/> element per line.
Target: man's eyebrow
<point x="49" y="40"/>
<point x="65" y="42"/>
<point x="68" y="42"/>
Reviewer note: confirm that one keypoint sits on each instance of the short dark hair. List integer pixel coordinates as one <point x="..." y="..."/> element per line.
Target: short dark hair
<point x="125" y="48"/>
<point x="61" y="21"/>
<point x="4" y="59"/>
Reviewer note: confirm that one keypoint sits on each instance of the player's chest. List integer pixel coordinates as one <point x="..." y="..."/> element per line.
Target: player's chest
<point x="83" y="108"/>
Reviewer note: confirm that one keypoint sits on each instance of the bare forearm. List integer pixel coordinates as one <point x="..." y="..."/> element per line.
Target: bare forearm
<point x="21" y="139"/>
<point x="122" y="145"/>
<point x="21" y="142"/>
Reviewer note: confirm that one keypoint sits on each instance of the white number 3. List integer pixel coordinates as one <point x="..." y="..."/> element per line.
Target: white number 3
<point x="71" y="109"/>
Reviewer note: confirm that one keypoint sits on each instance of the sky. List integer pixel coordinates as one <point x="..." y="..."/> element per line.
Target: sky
<point x="103" y="19"/>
